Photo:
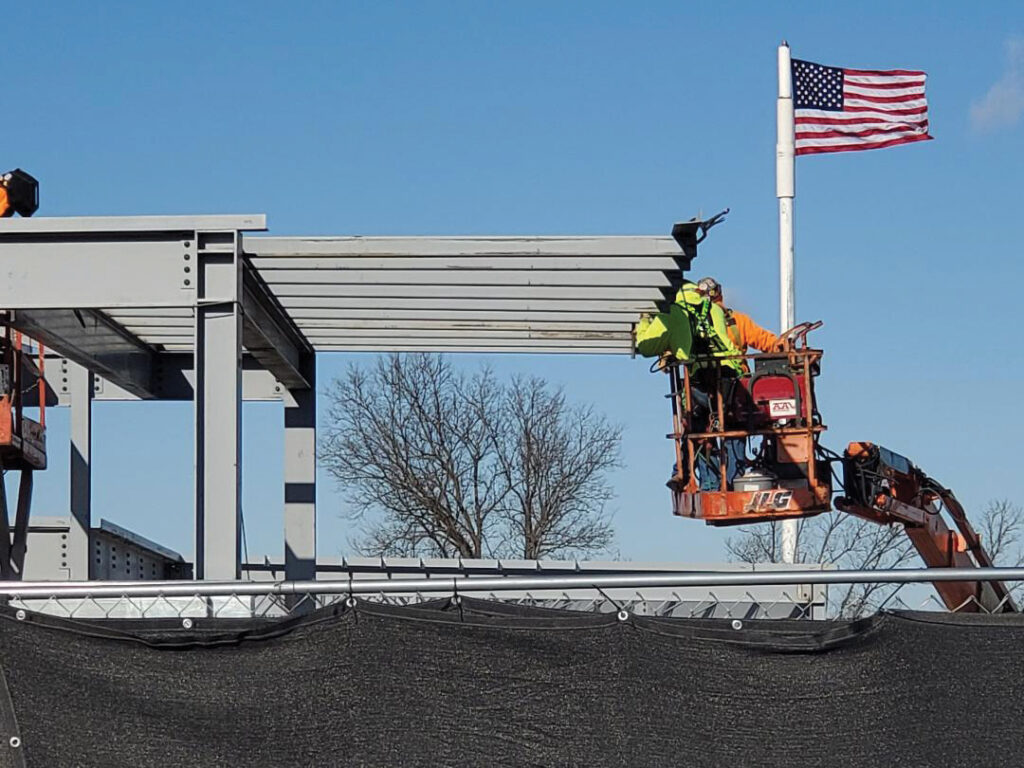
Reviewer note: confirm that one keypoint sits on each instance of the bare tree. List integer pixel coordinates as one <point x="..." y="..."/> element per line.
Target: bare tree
<point x="848" y="542"/>
<point x="440" y="463"/>
<point x="1001" y="529"/>
<point x="553" y="458"/>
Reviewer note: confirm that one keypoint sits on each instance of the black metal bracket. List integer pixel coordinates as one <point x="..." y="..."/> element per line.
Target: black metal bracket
<point x="688" y="234"/>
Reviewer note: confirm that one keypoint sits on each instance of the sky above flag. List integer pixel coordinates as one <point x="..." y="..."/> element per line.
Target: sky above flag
<point x="530" y="117"/>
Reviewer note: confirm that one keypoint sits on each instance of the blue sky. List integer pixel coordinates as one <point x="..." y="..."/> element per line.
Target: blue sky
<point x="567" y="118"/>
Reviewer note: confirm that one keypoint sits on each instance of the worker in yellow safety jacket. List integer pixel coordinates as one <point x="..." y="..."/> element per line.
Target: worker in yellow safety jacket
<point x="699" y="325"/>
<point x="695" y="328"/>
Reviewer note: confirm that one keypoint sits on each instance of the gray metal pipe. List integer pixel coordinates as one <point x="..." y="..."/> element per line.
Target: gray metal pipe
<point x="462" y="584"/>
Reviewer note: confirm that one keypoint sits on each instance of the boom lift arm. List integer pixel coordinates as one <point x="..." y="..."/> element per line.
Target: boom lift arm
<point x="887" y="488"/>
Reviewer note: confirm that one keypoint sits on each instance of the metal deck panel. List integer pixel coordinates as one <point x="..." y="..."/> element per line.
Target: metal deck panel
<point x="472" y="246"/>
<point x="442" y="303"/>
<point x="335" y="293"/>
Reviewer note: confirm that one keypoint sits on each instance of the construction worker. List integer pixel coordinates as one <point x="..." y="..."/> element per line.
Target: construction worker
<point x="694" y="327"/>
<point x="743" y="332"/>
<point x="699" y="325"/>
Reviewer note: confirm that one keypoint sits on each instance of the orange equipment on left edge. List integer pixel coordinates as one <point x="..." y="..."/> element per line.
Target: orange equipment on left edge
<point x="19" y="194"/>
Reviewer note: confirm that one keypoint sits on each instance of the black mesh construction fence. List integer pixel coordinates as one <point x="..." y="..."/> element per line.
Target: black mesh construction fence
<point x="485" y="684"/>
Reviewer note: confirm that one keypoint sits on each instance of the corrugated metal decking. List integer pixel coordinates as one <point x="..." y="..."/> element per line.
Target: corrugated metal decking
<point x="508" y="294"/>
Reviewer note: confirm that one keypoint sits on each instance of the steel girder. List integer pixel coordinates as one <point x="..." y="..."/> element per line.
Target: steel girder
<point x="67" y="280"/>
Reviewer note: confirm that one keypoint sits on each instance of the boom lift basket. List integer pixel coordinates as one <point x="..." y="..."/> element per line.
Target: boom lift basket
<point x="771" y="410"/>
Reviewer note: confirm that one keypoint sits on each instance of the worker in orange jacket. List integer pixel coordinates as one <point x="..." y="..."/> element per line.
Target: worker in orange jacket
<point x="743" y="331"/>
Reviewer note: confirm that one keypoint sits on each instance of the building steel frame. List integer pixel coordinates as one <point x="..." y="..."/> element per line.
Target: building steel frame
<point x="198" y="308"/>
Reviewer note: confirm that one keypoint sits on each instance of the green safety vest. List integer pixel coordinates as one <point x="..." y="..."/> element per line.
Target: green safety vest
<point x="693" y="326"/>
<point x="665" y="332"/>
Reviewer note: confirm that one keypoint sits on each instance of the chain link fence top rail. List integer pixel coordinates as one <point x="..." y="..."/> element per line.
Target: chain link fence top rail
<point x="459" y="681"/>
<point x="771" y="594"/>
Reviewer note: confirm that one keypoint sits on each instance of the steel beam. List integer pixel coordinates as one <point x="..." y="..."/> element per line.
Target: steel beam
<point x="92" y="340"/>
<point x="78" y="555"/>
<point x="19" y="541"/>
<point x="174" y="380"/>
<point x="300" y="484"/>
<point x="103" y="225"/>
<point x="271" y="336"/>
<point x="218" y="405"/>
<point x="58" y="272"/>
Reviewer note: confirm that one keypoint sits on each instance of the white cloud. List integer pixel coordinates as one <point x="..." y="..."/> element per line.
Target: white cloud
<point x="1003" y="105"/>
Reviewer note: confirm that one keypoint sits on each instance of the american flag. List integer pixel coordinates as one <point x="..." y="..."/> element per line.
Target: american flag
<point x="843" y="110"/>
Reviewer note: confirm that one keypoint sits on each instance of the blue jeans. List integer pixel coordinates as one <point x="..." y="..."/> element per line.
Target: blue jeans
<point x="708" y="474"/>
<point x="707" y="467"/>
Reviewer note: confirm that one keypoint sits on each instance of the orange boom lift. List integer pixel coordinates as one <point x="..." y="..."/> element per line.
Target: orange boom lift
<point x="773" y="412"/>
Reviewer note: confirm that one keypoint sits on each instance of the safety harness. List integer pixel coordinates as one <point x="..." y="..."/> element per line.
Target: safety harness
<point x="710" y="329"/>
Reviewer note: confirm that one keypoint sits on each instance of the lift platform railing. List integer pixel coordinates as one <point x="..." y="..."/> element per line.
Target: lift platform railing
<point x="772" y="403"/>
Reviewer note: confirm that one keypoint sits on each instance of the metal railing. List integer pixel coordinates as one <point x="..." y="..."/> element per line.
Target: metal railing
<point x="199" y="599"/>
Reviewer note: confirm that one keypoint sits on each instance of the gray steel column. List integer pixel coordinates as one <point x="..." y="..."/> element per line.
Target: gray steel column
<point x="78" y="556"/>
<point x="300" y="483"/>
<point x="218" y="405"/>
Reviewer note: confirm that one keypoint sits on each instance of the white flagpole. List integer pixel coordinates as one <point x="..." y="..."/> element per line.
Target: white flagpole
<point x="785" y="190"/>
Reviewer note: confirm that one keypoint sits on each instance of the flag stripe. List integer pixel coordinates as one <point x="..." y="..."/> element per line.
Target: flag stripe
<point x="809" y="131"/>
<point x="802" y="114"/>
<point x="886" y="84"/>
<point x="810" y="136"/>
<point x="851" y="89"/>
<point x="886" y="72"/>
<point x="809" y="122"/>
<point x="843" y="140"/>
<point x="857" y="146"/>
<point x="869" y="80"/>
<point x="821" y="131"/>
<point x="882" y="105"/>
